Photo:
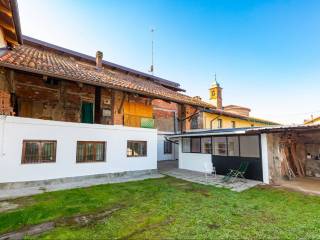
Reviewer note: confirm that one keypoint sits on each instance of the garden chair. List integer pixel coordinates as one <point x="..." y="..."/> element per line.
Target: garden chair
<point x="236" y="173"/>
<point x="208" y="170"/>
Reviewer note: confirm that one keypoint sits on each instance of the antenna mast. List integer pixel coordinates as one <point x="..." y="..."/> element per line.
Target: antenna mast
<point x="152" y="54"/>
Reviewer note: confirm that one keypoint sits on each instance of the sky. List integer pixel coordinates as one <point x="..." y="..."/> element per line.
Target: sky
<point x="266" y="53"/>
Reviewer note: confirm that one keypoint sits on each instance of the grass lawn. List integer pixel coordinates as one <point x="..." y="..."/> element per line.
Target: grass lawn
<point x="170" y="208"/>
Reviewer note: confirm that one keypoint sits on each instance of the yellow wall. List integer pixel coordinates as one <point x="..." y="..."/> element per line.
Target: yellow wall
<point x="314" y="121"/>
<point x="134" y="111"/>
<point x="3" y="42"/>
<point x="227" y="121"/>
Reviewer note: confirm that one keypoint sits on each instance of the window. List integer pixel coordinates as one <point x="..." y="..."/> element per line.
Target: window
<point x="194" y="122"/>
<point x="136" y="148"/>
<point x="206" y="145"/>
<point x="249" y="146"/>
<point x="233" y="146"/>
<point x="90" y="151"/>
<point x="34" y="151"/>
<point x="186" y="145"/>
<point x="219" y="146"/>
<point x="219" y="123"/>
<point x="52" y="81"/>
<point x="233" y="123"/>
<point x="167" y="147"/>
<point x="195" y="145"/>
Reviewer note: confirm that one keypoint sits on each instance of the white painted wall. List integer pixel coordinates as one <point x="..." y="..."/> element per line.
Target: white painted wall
<point x="160" y="149"/>
<point x="14" y="130"/>
<point x="193" y="161"/>
<point x="265" y="159"/>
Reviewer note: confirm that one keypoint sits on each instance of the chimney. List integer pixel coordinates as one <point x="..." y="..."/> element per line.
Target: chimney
<point x="99" y="56"/>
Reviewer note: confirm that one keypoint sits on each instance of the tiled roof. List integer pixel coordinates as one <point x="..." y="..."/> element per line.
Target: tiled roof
<point x="43" y="61"/>
<point x="234" y="115"/>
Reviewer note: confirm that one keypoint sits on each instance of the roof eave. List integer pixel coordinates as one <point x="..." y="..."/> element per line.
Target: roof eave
<point x="30" y="70"/>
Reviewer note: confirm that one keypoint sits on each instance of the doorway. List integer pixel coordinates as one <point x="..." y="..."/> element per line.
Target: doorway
<point x="87" y="112"/>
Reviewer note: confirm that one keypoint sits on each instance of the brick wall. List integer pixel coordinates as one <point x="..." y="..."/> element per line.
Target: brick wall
<point x="165" y="115"/>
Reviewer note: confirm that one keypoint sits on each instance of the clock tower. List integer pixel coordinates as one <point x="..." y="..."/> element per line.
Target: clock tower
<point x="215" y="93"/>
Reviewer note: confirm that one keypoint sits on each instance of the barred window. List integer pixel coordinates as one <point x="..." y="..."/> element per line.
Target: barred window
<point x="90" y="151"/>
<point x="167" y="147"/>
<point x="38" y="151"/>
<point x="136" y="148"/>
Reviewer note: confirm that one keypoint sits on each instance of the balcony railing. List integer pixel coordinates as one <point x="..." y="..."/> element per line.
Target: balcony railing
<point x="138" y="121"/>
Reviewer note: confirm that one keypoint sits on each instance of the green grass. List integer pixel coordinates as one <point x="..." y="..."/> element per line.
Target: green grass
<point x="170" y="208"/>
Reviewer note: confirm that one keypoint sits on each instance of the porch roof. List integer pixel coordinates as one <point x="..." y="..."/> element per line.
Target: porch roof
<point x="45" y="61"/>
<point x="212" y="132"/>
<point x="285" y="128"/>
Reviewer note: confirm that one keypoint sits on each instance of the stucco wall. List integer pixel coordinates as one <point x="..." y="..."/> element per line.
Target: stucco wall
<point x="193" y="161"/>
<point x="160" y="149"/>
<point x="14" y="130"/>
<point x="227" y="121"/>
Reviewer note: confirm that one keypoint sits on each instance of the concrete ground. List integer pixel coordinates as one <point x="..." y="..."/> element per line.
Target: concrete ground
<point x="307" y="185"/>
<point x="170" y="168"/>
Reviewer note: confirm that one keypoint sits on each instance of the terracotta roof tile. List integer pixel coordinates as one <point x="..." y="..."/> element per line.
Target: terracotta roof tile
<point x="39" y="60"/>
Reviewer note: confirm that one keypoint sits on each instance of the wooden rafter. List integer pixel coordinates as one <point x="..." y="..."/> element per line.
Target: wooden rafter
<point x="9" y="27"/>
<point x="5" y="10"/>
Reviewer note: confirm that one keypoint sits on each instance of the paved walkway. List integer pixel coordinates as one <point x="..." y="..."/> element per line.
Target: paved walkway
<point x="170" y="168"/>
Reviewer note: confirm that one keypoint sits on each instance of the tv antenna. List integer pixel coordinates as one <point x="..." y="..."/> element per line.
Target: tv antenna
<point x="151" y="70"/>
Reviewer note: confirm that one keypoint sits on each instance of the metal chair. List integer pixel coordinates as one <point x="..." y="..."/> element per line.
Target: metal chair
<point x="236" y="173"/>
<point x="208" y="170"/>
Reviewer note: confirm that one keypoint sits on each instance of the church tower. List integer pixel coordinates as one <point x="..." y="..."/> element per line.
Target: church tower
<point x="215" y="93"/>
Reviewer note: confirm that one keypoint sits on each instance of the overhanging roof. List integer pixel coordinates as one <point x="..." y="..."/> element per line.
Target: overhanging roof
<point x="212" y="132"/>
<point x="10" y="22"/>
<point x="41" y="60"/>
<point x="83" y="57"/>
<point x="285" y="128"/>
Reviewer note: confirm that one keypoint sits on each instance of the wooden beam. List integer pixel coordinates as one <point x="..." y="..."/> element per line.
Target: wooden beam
<point x="5" y="11"/>
<point x="11" y="81"/>
<point x="7" y="26"/>
<point x="122" y="102"/>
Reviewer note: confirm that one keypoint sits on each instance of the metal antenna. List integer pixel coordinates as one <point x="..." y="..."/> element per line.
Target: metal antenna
<point x="152" y="54"/>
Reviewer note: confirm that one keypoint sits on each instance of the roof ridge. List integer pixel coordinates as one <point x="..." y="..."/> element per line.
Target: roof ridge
<point x="104" y="62"/>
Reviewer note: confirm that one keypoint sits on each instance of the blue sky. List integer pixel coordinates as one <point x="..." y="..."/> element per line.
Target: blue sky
<point x="266" y="53"/>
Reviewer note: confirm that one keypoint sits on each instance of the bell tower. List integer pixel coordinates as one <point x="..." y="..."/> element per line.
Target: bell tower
<point x="215" y="93"/>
